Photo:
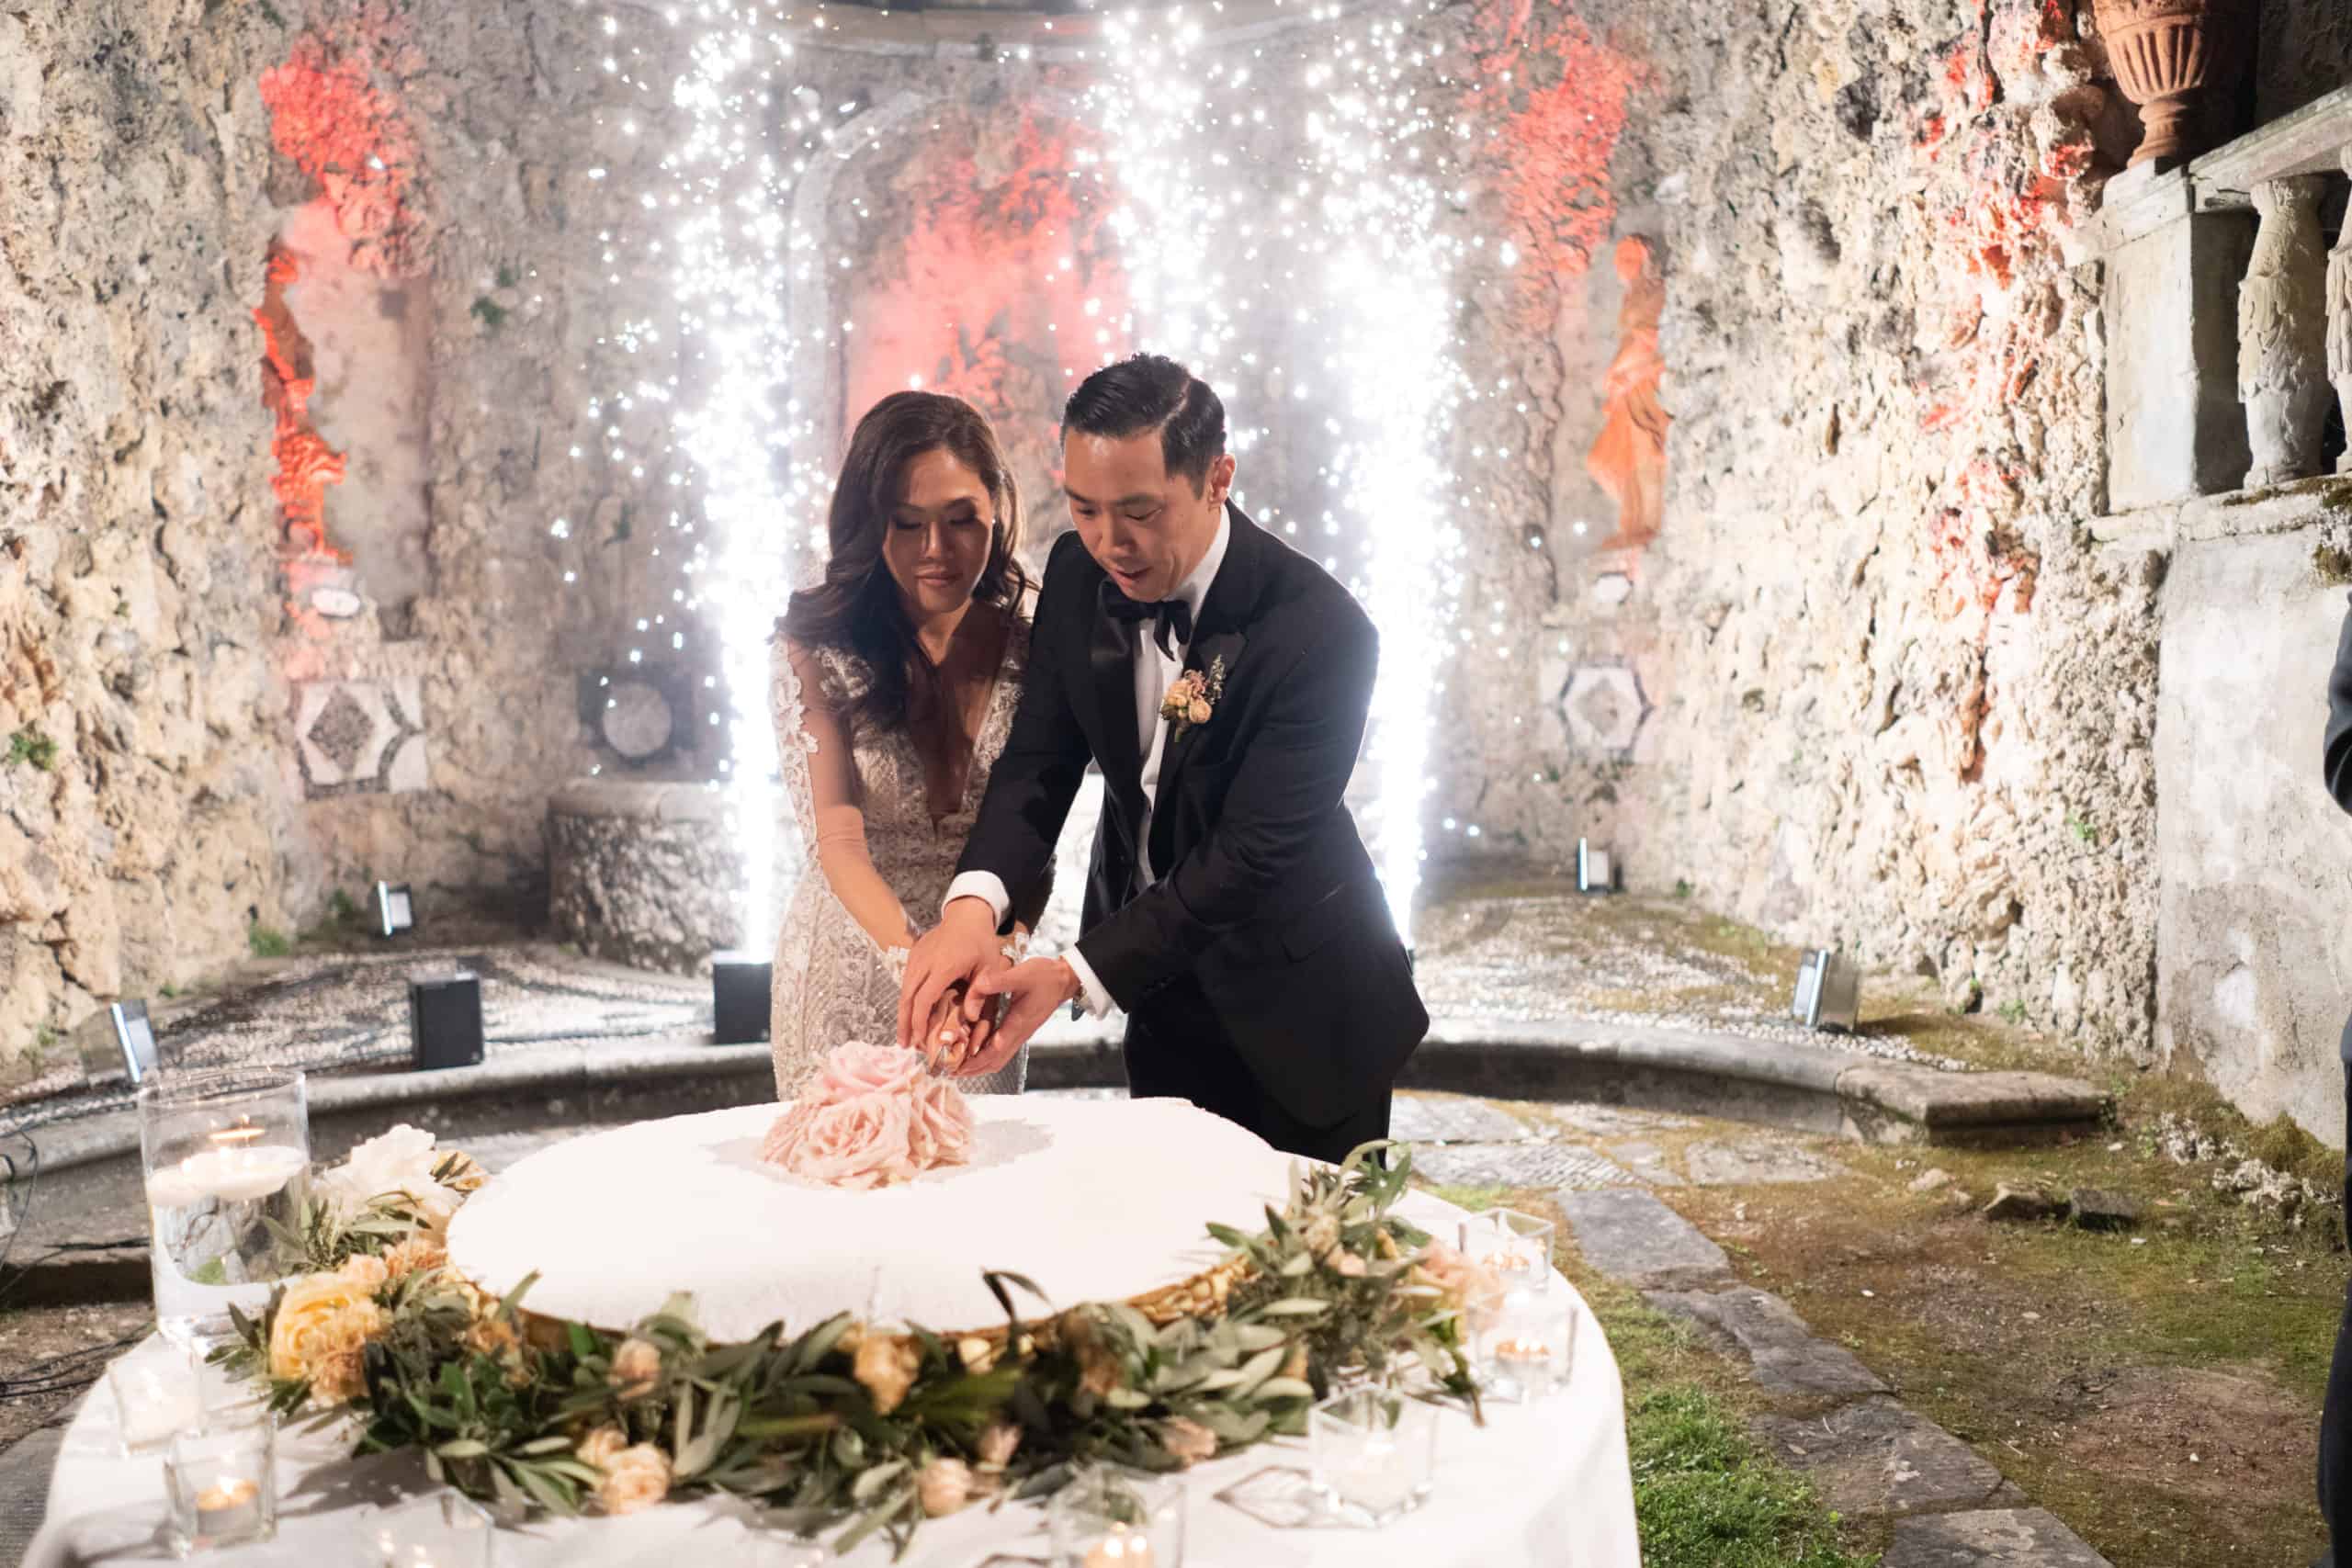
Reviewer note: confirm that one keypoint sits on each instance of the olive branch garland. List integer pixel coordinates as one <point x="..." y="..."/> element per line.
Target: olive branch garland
<point x="1329" y="1296"/>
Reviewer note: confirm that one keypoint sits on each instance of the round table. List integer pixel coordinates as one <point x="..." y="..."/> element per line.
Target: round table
<point x="1541" y="1484"/>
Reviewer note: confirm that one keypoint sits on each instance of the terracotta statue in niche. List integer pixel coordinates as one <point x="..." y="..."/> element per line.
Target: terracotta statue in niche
<point x="1628" y="457"/>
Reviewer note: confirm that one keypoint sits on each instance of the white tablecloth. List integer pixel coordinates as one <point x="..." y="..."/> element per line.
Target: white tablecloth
<point x="1544" y="1483"/>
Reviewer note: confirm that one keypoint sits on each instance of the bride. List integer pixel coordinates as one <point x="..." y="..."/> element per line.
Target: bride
<point x="894" y="683"/>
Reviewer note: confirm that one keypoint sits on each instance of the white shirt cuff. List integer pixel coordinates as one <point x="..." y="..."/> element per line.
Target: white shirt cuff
<point x="983" y="885"/>
<point x="1098" y="1000"/>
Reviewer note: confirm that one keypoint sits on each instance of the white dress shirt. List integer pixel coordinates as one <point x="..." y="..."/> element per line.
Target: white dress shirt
<point x="1155" y="672"/>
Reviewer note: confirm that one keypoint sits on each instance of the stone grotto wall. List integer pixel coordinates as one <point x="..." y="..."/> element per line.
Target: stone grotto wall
<point x="300" y="320"/>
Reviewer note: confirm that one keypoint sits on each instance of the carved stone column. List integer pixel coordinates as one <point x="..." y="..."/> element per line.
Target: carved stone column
<point x="2283" y="332"/>
<point x="2339" y="323"/>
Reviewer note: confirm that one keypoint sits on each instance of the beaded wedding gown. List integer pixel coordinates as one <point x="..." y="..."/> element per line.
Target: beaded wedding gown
<point x="832" y="981"/>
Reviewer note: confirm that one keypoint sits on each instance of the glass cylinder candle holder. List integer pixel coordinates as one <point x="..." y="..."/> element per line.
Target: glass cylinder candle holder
<point x="1516" y="1247"/>
<point x="1525" y="1353"/>
<point x="226" y="1153"/>
<point x="221" y="1489"/>
<point x="440" y="1529"/>
<point x="1118" y="1518"/>
<point x="1372" y="1454"/>
<point x="156" y="1396"/>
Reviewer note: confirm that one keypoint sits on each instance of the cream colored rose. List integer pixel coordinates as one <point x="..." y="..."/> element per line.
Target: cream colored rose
<point x="977" y="1352"/>
<point x="944" y="1485"/>
<point x="1199" y="713"/>
<point x="635" y="1478"/>
<point x="1347" y="1265"/>
<point x="1186" y="1440"/>
<point x="322" y="1326"/>
<point x="997" y="1444"/>
<point x="636" y="1368"/>
<point x="886" y="1367"/>
<point x="1462" y="1285"/>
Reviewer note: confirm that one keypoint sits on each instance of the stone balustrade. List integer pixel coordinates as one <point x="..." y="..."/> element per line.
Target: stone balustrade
<point x="2229" y="321"/>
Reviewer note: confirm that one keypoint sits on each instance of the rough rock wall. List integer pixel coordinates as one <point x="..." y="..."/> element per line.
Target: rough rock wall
<point x="303" y="314"/>
<point x="1870" y="684"/>
<point x="144" y="818"/>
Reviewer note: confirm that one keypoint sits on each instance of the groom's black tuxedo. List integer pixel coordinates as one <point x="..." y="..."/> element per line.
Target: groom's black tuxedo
<point x="1261" y="976"/>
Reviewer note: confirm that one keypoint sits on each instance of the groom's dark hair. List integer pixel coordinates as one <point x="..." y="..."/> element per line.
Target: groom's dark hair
<point x="1147" y="392"/>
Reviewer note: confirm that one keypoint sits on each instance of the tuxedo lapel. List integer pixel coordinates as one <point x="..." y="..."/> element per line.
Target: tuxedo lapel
<point x="1111" y="659"/>
<point x="1217" y="639"/>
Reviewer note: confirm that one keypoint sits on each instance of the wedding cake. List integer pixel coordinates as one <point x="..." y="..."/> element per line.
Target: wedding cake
<point x="1091" y="1199"/>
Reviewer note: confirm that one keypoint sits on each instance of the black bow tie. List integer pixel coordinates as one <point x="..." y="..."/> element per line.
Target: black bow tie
<point x="1173" y="615"/>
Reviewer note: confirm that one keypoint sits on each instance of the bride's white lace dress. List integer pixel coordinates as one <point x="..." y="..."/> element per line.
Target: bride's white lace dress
<point x="832" y="981"/>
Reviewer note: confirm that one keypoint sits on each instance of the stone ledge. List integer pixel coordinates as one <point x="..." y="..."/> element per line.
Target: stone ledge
<point x="1809" y="1087"/>
<point x="2000" y="1538"/>
<point x="2310" y="141"/>
<point x="639" y="799"/>
<point x="2202" y="519"/>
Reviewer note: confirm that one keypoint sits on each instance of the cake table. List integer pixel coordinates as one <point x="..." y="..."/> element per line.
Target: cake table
<point x="1094" y="1201"/>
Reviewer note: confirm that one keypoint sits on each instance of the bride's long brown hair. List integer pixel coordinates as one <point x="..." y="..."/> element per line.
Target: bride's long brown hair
<point x="856" y="606"/>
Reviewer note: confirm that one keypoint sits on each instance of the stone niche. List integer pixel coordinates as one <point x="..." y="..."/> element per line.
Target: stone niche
<point x="644" y="874"/>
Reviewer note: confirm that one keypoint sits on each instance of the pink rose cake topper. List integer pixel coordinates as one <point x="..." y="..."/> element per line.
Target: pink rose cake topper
<point x="873" y="1115"/>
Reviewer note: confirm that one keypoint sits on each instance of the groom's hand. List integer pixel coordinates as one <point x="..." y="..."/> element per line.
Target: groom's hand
<point x="1034" y="989"/>
<point x="960" y="948"/>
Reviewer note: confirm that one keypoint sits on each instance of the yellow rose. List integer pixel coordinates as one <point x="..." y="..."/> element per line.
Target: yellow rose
<point x="324" y="1323"/>
<point x="887" y="1366"/>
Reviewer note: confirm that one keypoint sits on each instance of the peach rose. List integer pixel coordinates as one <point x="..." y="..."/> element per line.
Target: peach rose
<point x="939" y="1124"/>
<point x="635" y="1478"/>
<point x="420" y="1254"/>
<point x="855" y="1144"/>
<point x="944" y="1485"/>
<point x="368" y="1273"/>
<point x="1462" y="1285"/>
<point x="977" y="1351"/>
<point x="636" y="1368"/>
<point x="997" y="1444"/>
<point x="1346" y="1264"/>
<point x="1199" y="712"/>
<point x="321" y="1332"/>
<point x="1186" y="1440"/>
<point x="885" y="1365"/>
<point x="859" y="1068"/>
<point x="599" y="1446"/>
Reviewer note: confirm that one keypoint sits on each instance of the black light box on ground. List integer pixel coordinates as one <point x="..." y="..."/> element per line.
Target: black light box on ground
<point x="445" y="1019"/>
<point x="1596" y="872"/>
<point x="738" y="997"/>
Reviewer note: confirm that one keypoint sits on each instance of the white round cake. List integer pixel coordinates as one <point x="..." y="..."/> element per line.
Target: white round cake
<point x="1092" y="1200"/>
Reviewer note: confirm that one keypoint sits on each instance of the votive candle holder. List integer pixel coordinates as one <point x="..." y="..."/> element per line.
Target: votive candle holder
<point x="156" y="1396"/>
<point x="221" y="1488"/>
<point x="1109" y="1517"/>
<point x="439" y="1530"/>
<point x="1373" y="1453"/>
<point x="1527" y="1350"/>
<point x="1517" y="1248"/>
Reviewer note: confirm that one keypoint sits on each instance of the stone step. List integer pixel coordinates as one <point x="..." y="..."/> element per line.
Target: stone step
<point x="1994" y="1538"/>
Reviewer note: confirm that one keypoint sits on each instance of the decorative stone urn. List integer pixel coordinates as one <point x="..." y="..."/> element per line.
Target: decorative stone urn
<point x="2163" y="51"/>
<point x="2283" y="332"/>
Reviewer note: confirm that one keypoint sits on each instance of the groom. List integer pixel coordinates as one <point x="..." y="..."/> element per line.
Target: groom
<point x="1220" y="680"/>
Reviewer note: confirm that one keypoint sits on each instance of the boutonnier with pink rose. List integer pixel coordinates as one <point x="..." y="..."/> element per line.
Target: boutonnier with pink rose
<point x="1192" y="699"/>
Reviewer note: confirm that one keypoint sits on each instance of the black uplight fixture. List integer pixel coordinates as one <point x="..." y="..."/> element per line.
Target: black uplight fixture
<point x="445" y="1019"/>
<point x="1828" y="992"/>
<point x="738" y="997"/>
<point x="395" y="912"/>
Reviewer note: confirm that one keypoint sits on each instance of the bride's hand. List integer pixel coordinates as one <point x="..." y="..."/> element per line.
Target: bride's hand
<point x="946" y="1036"/>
